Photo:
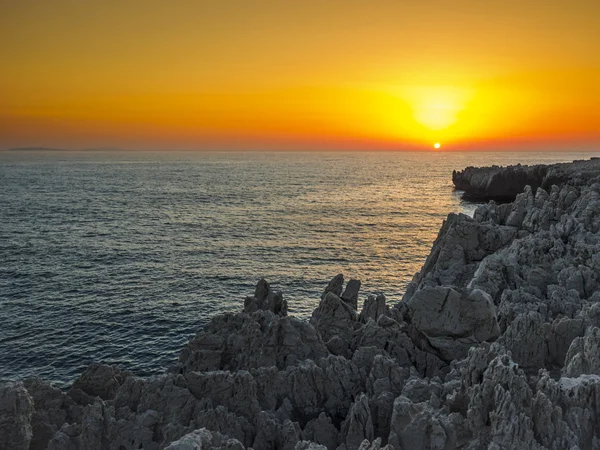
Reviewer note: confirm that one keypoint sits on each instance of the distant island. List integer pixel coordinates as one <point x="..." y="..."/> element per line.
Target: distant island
<point x="495" y="345"/>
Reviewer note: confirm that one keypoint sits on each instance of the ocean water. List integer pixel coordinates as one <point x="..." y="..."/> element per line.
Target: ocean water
<point x="121" y="257"/>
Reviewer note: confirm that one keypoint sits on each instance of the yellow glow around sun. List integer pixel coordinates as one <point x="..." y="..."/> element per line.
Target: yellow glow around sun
<point x="437" y="145"/>
<point x="436" y="107"/>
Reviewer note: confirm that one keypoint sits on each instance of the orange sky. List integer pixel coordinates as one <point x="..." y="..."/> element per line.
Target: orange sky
<point x="155" y="74"/>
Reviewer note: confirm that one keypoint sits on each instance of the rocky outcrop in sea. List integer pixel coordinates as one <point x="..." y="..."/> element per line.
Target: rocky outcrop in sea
<point x="496" y="345"/>
<point x="504" y="183"/>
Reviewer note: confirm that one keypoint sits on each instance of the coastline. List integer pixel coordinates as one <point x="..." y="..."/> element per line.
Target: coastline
<point x="495" y="345"/>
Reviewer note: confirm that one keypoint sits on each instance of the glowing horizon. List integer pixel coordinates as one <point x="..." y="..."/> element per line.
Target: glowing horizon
<point x="301" y="75"/>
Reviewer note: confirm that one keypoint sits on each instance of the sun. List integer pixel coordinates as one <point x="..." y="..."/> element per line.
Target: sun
<point x="436" y="145"/>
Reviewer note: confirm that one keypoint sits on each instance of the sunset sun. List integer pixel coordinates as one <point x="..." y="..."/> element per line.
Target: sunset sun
<point x="419" y="181"/>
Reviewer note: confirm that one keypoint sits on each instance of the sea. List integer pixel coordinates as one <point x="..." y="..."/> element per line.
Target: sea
<point x="121" y="257"/>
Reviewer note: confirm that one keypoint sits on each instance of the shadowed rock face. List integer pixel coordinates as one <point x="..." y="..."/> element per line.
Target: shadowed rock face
<point x="494" y="346"/>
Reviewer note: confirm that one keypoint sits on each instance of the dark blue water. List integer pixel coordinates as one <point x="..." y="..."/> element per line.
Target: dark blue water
<point x="121" y="257"/>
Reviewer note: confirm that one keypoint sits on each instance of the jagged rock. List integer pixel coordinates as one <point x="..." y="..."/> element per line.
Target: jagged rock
<point x="272" y="434"/>
<point x="576" y="422"/>
<point x="388" y="334"/>
<point x="452" y="321"/>
<point x="382" y="407"/>
<point x="52" y="408"/>
<point x="583" y="356"/>
<point x="417" y="426"/>
<point x="335" y="286"/>
<point x="307" y="445"/>
<point x="350" y="294"/>
<point x="373" y="307"/>
<point x="386" y="375"/>
<point x="334" y="317"/>
<point x="526" y="339"/>
<point x="321" y="431"/>
<point x="506" y="182"/>
<point x="98" y="380"/>
<point x="498" y="182"/>
<point x="338" y="346"/>
<point x="459" y="248"/>
<point x="16" y="409"/>
<point x="358" y="425"/>
<point x="375" y="445"/>
<point x="204" y="439"/>
<point x="245" y="341"/>
<point x="266" y="299"/>
<point x="329" y="386"/>
<point x="237" y="391"/>
<point x="520" y="207"/>
<point x="220" y="419"/>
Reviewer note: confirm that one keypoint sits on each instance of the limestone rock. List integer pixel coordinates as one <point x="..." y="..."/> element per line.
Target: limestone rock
<point x="321" y="431"/>
<point x="204" y="439"/>
<point x="244" y="341"/>
<point x="266" y="299"/>
<point x="16" y="409"/>
<point x="335" y="286"/>
<point x="350" y="294"/>
<point x="307" y="445"/>
<point x="453" y="321"/>
<point x="334" y="317"/>
<point x="358" y="426"/>
<point x="583" y="356"/>
<point x="99" y="380"/>
<point x="52" y="408"/>
<point x="459" y="248"/>
<point x="373" y="307"/>
<point x="498" y="182"/>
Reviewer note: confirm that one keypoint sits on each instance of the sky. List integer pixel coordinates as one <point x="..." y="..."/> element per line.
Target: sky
<point x="307" y="74"/>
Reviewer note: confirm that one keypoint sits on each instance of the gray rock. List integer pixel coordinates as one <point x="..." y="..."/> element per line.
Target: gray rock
<point x="16" y="409"/>
<point x="307" y="445"/>
<point x="452" y="321"/>
<point x="373" y="307"/>
<point x="266" y="299"/>
<point x="335" y="286"/>
<point x="583" y="356"/>
<point x="350" y="294"/>
<point x="245" y="341"/>
<point x="321" y="431"/>
<point x="99" y="380"/>
<point x="499" y="182"/>
<point x="358" y="425"/>
<point x="334" y="317"/>
<point x="204" y="439"/>
<point x="52" y="408"/>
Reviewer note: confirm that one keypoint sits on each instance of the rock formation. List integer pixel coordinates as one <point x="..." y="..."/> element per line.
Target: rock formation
<point x="504" y="183"/>
<point x="496" y="345"/>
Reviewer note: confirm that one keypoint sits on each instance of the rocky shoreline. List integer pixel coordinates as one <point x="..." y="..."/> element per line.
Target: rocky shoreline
<point x="505" y="183"/>
<point x="496" y="345"/>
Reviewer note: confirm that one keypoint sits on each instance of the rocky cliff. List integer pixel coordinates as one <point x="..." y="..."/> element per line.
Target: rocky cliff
<point x="496" y="345"/>
<point x="504" y="183"/>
